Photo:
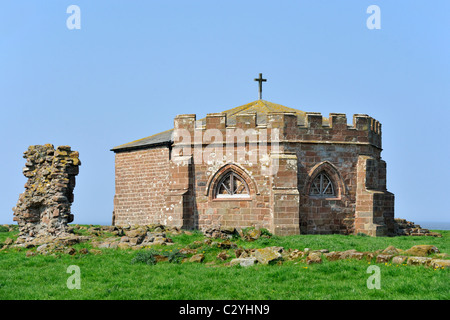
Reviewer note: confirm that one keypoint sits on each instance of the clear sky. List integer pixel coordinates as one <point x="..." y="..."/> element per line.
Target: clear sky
<point x="134" y="65"/>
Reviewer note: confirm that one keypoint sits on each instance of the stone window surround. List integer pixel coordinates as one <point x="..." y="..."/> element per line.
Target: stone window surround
<point x="333" y="174"/>
<point x="224" y="170"/>
<point x="232" y="176"/>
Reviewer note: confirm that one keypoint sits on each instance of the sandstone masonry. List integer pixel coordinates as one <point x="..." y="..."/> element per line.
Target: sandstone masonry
<point x="318" y="176"/>
<point x="44" y="208"/>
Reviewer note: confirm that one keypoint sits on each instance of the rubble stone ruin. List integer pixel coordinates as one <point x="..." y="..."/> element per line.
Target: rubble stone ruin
<point x="44" y="208"/>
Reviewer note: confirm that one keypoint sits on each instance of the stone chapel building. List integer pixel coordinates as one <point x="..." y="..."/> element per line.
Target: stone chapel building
<point x="293" y="172"/>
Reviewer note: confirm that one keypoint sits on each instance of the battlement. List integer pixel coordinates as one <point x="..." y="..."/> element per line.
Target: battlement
<point x="366" y="123"/>
<point x="291" y="126"/>
<point x="185" y="121"/>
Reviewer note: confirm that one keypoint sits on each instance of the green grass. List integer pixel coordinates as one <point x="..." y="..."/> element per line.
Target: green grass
<point x="111" y="275"/>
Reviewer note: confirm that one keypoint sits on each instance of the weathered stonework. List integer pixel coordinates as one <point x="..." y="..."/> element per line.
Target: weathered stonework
<point x="44" y="208"/>
<point x="160" y="180"/>
<point x="408" y="228"/>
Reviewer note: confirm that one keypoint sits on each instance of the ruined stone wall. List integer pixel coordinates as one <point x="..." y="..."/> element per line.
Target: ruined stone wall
<point x="44" y="208"/>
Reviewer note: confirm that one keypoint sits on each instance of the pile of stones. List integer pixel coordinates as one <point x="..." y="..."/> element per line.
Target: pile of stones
<point x="137" y="237"/>
<point x="245" y="257"/>
<point x="417" y="255"/>
<point x="408" y="228"/>
<point x="48" y="244"/>
<point x="222" y="232"/>
<point x="141" y="237"/>
<point x="122" y="237"/>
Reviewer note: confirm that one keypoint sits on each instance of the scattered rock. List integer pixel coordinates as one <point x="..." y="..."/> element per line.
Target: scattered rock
<point x="71" y="239"/>
<point x="70" y="251"/>
<point x="124" y="245"/>
<point x="391" y="250"/>
<point x="384" y="258"/>
<point x="156" y="238"/>
<point x="440" y="263"/>
<point x="277" y="249"/>
<point x="30" y="253"/>
<point x="43" y="248"/>
<point x="197" y="258"/>
<point x="103" y="245"/>
<point x="136" y="233"/>
<point x="369" y="255"/>
<point x="266" y="255"/>
<point x="225" y="245"/>
<point x="243" y="262"/>
<point x="160" y="258"/>
<point x="356" y="255"/>
<point x="408" y="228"/>
<point x="229" y="230"/>
<point x="245" y="254"/>
<point x="314" y="257"/>
<point x="296" y="254"/>
<point x="187" y="251"/>
<point x="238" y="252"/>
<point x="419" y="261"/>
<point x="422" y="250"/>
<point x="219" y="232"/>
<point x="240" y="232"/>
<point x="223" y="256"/>
<point x="253" y="234"/>
<point x="347" y="254"/>
<point x="333" y="256"/>
<point x="399" y="259"/>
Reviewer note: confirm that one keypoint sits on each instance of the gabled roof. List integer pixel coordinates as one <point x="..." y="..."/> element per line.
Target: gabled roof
<point x="162" y="138"/>
<point x="260" y="107"/>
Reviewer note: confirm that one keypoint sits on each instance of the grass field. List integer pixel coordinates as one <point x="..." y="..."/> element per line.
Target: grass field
<point x="111" y="275"/>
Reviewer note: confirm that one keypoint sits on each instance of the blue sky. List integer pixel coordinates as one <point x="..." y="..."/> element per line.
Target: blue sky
<point x="134" y="65"/>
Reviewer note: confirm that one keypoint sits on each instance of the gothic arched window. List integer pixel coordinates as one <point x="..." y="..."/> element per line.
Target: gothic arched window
<point x="322" y="186"/>
<point x="232" y="185"/>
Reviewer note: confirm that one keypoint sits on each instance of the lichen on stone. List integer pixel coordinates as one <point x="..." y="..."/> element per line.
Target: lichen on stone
<point x="44" y="208"/>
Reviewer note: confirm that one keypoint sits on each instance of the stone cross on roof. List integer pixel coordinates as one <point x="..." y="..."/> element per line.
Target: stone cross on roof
<point x="260" y="80"/>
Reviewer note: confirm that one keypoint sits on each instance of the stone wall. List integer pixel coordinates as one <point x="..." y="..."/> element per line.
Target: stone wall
<point x="177" y="189"/>
<point x="44" y="208"/>
<point x="142" y="179"/>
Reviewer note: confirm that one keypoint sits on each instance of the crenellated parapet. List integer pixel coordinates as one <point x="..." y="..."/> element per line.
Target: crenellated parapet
<point x="284" y="126"/>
